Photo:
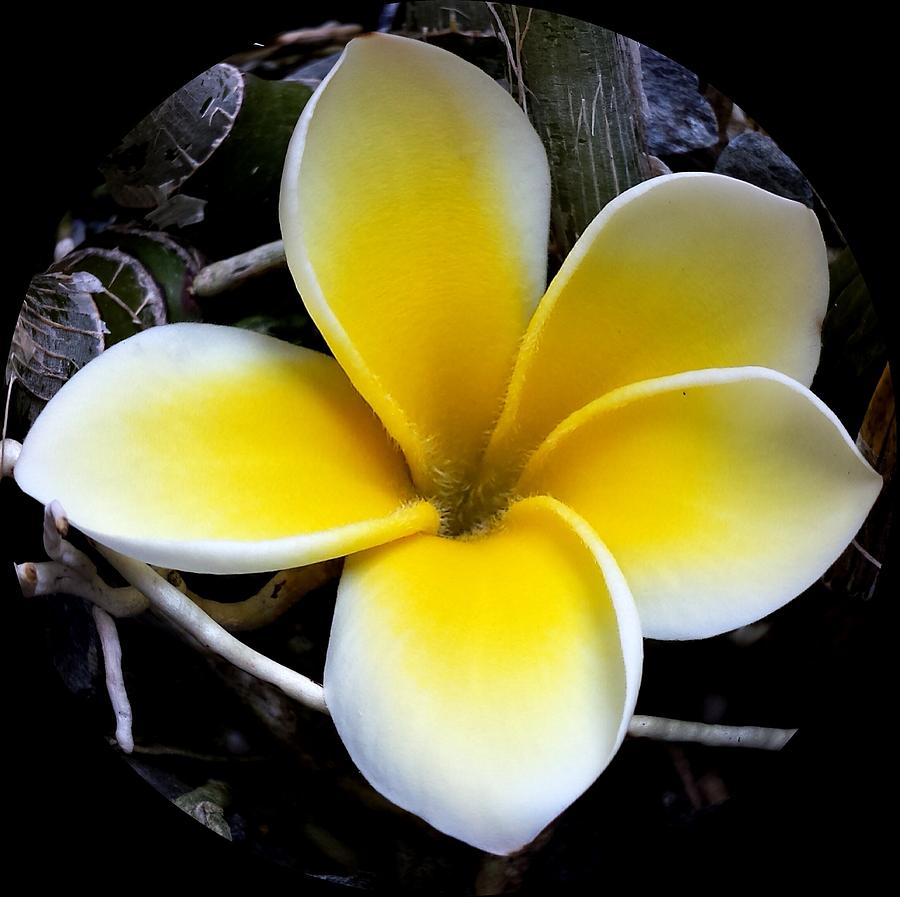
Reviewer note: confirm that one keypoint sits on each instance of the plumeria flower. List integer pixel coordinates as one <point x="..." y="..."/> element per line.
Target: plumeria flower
<point x="524" y="485"/>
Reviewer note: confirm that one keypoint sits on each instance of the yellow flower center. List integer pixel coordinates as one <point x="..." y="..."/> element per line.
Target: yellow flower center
<point x="474" y="505"/>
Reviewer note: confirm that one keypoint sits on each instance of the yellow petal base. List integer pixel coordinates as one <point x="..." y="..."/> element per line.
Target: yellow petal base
<point x="483" y="684"/>
<point x="680" y="273"/>
<point x="415" y="209"/>
<point x="218" y="450"/>
<point x="722" y="494"/>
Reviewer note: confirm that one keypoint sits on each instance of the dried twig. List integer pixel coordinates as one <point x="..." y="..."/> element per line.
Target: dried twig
<point x="53" y="578"/>
<point x="329" y="33"/>
<point x="115" y="681"/>
<point x="72" y="572"/>
<point x="230" y="273"/>
<point x="279" y="594"/>
<point x="178" y="609"/>
<point x="56" y="527"/>
<point x="9" y="454"/>
<point x="662" y="729"/>
<point x="513" y="56"/>
<point x="162" y="750"/>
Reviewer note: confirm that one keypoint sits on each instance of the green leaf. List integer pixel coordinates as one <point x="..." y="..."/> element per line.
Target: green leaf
<point x="164" y="149"/>
<point x="212" y="152"/>
<point x="59" y="331"/>
<point x="172" y="265"/>
<point x="128" y="300"/>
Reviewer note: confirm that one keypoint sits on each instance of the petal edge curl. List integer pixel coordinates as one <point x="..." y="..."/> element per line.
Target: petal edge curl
<point x="722" y="494"/>
<point x="484" y="684"/>
<point x="683" y="272"/>
<point x="415" y="211"/>
<point x="218" y="450"/>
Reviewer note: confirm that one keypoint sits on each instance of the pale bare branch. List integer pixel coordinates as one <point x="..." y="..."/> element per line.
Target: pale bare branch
<point x="189" y="616"/>
<point x="177" y="608"/>
<point x="662" y="729"/>
<point x="229" y="273"/>
<point x="278" y="595"/>
<point x="115" y="680"/>
<point x="54" y="578"/>
<point x="9" y="454"/>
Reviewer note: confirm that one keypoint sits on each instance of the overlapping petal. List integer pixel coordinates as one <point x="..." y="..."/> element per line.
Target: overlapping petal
<point x="680" y="273"/>
<point x="722" y="494"/>
<point x="483" y="684"/>
<point x="415" y="209"/>
<point x="213" y="449"/>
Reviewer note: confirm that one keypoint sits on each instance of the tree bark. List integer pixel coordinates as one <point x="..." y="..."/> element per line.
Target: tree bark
<point x="580" y="85"/>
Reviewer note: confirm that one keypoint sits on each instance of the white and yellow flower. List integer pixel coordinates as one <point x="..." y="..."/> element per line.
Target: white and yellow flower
<point x="524" y="485"/>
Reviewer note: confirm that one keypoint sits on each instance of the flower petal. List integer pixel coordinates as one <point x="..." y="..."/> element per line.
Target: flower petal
<point x="415" y="209"/>
<point x="483" y="684"/>
<point x="218" y="450"/>
<point x="680" y="273"/>
<point x="722" y="494"/>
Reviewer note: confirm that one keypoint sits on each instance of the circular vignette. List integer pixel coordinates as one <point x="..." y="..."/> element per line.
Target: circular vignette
<point x="89" y="84"/>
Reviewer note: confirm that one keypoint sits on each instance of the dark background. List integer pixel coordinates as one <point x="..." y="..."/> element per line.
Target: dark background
<point x="77" y="81"/>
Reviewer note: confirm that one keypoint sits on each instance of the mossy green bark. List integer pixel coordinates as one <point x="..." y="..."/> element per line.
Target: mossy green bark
<point x="580" y="85"/>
